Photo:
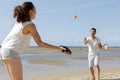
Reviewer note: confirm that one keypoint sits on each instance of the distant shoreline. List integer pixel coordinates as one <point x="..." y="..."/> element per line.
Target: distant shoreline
<point x="73" y="49"/>
<point x="37" y="49"/>
<point x="77" y="46"/>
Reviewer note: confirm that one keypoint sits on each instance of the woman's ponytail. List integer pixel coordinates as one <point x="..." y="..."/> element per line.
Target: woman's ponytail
<point x="21" y="13"/>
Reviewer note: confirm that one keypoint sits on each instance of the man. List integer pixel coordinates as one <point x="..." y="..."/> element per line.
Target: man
<point x="94" y="45"/>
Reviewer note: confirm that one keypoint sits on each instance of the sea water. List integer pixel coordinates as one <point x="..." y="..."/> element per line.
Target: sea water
<point x="54" y="63"/>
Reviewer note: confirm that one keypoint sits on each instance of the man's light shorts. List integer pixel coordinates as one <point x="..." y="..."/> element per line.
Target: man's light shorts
<point x="9" y="54"/>
<point x="93" y="60"/>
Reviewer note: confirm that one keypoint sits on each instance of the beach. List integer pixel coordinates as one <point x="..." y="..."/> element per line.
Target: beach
<point x="106" y="74"/>
<point x="48" y="64"/>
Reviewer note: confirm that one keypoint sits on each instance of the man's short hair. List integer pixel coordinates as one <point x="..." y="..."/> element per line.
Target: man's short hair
<point x="93" y="29"/>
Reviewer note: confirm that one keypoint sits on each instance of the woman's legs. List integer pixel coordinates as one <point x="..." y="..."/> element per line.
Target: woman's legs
<point x="14" y="68"/>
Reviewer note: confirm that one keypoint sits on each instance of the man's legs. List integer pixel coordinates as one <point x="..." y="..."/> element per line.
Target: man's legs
<point x="98" y="71"/>
<point x="96" y="63"/>
<point x="92" y="73"/>
<point x="91" y="65"/>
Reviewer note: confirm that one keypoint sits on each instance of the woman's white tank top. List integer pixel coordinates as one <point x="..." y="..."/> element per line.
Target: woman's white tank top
<point x="16" y="40"/>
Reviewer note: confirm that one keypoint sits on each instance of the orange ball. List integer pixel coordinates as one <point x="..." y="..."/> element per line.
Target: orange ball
<point x="74" y="16"/>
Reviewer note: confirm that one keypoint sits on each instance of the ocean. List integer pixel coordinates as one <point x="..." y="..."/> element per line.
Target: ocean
<point x="36" y="64"/>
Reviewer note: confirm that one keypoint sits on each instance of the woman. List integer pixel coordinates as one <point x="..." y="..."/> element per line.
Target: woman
<point x="19" y="38"/>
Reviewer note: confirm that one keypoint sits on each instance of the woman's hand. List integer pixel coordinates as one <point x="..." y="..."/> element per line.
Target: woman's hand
<point x="66" y="50"/>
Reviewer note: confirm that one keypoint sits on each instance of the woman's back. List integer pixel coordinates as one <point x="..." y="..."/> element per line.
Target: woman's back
<point x="16" y="40"/>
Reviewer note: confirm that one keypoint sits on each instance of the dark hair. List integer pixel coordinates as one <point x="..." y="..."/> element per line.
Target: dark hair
<point x="21" y="12"/>
<point x="93" y="29"/>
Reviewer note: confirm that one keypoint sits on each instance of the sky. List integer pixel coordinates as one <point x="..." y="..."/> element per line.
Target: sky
<point x="56" y="25"/>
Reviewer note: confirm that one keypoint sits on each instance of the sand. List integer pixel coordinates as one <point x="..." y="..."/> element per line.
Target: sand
<point x="106" y="74"/>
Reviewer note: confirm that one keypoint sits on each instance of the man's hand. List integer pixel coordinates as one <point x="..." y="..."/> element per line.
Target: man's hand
<point x="85" y="41"/>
